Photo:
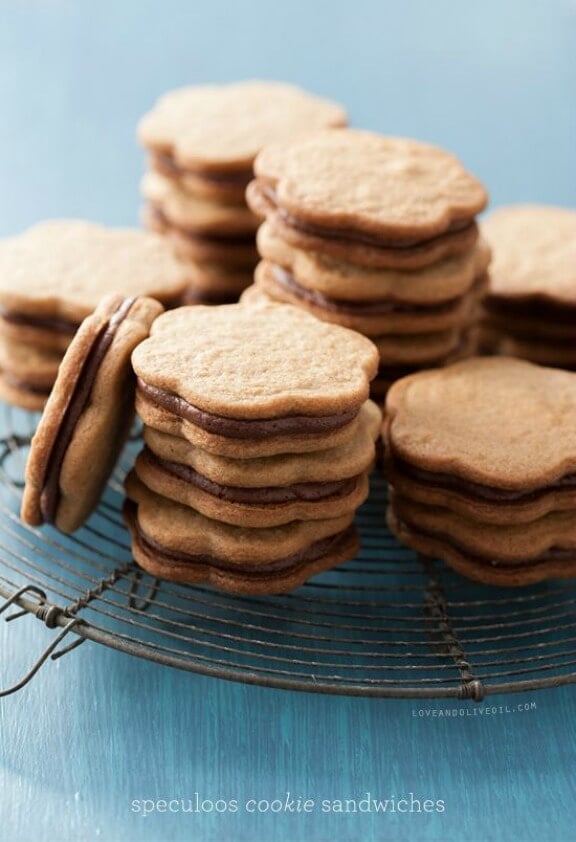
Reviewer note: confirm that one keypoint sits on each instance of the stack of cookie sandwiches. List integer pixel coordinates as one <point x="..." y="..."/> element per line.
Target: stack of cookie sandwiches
<point x="531" y="302"/>
<point x="202" y="142"/>
<point x="481" y="460"/>
<point x="377" y="234"/>
<point x="258" y="440"/>
<point x="53" y="276"/>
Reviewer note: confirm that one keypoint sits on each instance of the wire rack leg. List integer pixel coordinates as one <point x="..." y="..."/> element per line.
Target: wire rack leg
<point x="45" y="612"/>
<point x="436" y="609"/>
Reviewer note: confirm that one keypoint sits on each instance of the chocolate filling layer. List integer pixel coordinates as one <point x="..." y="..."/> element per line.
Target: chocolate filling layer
<point x="235" y="178"/>
<point x="50" y="495"/>
<point x="389" y="373"/>
<point x="313" y="552"/>
<point x="55" y="324"/>
<point x="308" y="492"/>
<point x="356" y="236"/>
<point x="374" y="308"/>
<point x="190" y="234"/>
<point x="534" y="307"/>
<point x="24" y="385"/>
<point x="236" y="428"/>
<point x="553" y="554"/>
<point x="195" y="296"/>
<point x="475" y="490"/>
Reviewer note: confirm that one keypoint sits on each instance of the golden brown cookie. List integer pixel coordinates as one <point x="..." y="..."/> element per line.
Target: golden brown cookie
<point x="368" y="199"/>
<point x="446" y="279"/>
<point x="506" y="543"/>
<point x="499" y="422"/>
<point x="218" y="281"/>
<point x="528" y="571"/>
<point x="475" y="501"/>
<point x="20" y="393"/>
<point x="228" y="187"/>
<point x="234" y="250"/>
<point x="88" y="415"/>
<point x="534" y="262"/>
<point x="195" y="214"/>
<point x="267" y="506"/>
<point x="53" y="275"/>
<point x="27" y="373"/>
<point x="260" y="374"/>
<point x="390" y="371"/>
<point x="530" y="309"/>
<point x="555" y="354"/>
<point x="370" y="318"/>
<point x="159" y="418"/>
<point x="31" y="365"/>
<point x="420" y="348"/>
<point x="175" y="542"/>
<point x="208" y="129"/>
<point x="559" y="329"/>
<point x="337" y="463"/>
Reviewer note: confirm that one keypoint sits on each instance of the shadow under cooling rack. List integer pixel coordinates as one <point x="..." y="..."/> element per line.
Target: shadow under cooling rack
<point x="388" y="624"/>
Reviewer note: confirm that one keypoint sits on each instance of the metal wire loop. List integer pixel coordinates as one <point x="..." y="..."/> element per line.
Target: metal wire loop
<point x="49" y="614"/>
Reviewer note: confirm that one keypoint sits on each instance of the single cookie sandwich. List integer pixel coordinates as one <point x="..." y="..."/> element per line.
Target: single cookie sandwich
<point x="247" y="381"/>
<point x="478" y="479"/>
<point x="88" y="415"/>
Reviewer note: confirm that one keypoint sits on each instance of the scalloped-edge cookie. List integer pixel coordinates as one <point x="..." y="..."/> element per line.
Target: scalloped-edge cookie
<point x="209" y="129"/>
<point x="193" y="213"/>
<point x="54" y="274"/>
<point x="366" y="192"/>
<point x="269" y="364"/>
<point x="534" y="256"/>
<point x="88" y="415"/>
<point x="285" y="469"/>
<point x="338" y="279"/>
<point x="499" y="422"/>
<point x="528" y="571"/>
<point x="372" y="319"/>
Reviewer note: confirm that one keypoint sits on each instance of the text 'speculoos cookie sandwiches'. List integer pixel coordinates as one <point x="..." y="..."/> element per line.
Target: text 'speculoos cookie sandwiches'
<point x="259" y="437"/>
<point x="88" y="415"/>
<point x="202" y="141"/>
<point x="531" y="302"/>
<point x="377" y="234"/>
<point x="53" y="276"/>
<point x="481" y="460"/>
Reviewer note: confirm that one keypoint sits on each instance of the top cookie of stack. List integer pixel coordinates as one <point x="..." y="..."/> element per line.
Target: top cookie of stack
<point x="52" y="277"/>
<point x="377" y="234"/>
<point x="202" y="142"/>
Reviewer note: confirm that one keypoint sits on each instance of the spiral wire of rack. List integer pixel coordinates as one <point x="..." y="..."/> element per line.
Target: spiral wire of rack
<point x="388" y="624"/>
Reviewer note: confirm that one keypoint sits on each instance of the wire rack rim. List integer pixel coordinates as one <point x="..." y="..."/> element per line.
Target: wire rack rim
<point x="83" y="600"/>
<point x="87" y="631"/>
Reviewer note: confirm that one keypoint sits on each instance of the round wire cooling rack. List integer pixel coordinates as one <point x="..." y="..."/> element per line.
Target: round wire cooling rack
<point x="388" y="624"/>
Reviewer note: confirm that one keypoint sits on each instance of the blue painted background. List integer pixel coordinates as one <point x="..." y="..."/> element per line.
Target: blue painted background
<point x="493" y="81"/>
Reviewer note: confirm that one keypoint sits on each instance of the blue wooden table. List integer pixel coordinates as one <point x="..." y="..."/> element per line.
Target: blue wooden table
<point x="99" y="739"/>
